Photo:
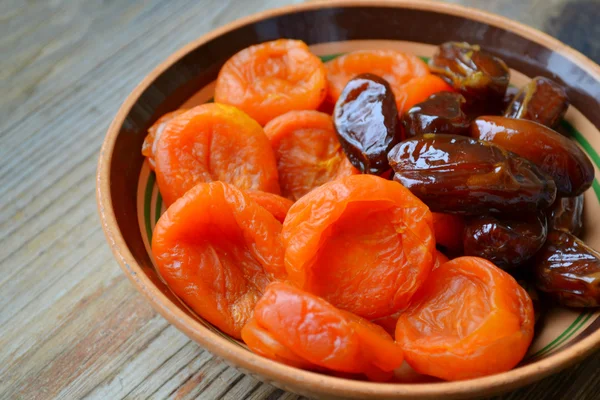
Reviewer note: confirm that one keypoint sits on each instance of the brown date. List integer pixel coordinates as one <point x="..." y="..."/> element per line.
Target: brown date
<point x="366" y="118"/>
<point x="568" y="270"/>
<point x="460" y="175"/>
<point x="556" y="155"/>
<point x="479" y="76"/>
<point x="509" y="96"/>
<point x="508" y="243"/>
<point x="542" y="100"/>
<point x="440" y="113"/>
<point x="566" y="214"/>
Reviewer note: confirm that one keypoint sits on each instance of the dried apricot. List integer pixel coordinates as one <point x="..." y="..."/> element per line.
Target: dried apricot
<point x="469" y="319"/>
<point x="418" y="90"/>
<point x="440" y="259"/>
<point x="263" y="343"/>
<point x="214" y="142"/>
<point x="448" y="230"/>
<point x="278" y="206"/>
<point x="363" y="243"/>
<point x="396" y="67"/>
<point x="154" y="132"/>
<point x="272" y="78"/>
<point x="217" y="250"/>
<point x="307" y="151"/>
<point x="323" y="335"/>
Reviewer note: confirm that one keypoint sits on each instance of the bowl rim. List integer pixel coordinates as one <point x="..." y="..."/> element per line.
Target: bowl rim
<point x="274" y="371"/>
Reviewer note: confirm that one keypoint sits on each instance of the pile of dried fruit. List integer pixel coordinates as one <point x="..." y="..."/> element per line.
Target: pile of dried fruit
<point x="323" y="241"/>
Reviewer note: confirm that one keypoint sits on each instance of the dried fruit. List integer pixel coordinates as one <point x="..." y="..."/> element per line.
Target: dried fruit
<point x="559" y="157"/>
<point x="272" y="78"/>
<point x="460" y="175"/>
<point x="217" y="250"/>
<point x="366" y="120"/>
<point x="470" y="319"/>
<point x="363" y="243"/>
<point x="307" y="151"/>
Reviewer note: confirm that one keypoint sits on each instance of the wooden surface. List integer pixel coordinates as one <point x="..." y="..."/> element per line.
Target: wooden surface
<point x="71" y="325"/>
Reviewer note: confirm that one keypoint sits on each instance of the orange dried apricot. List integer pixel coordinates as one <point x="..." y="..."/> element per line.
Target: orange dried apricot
<point x="396" y="67"/>
<point x="154" y="132"/>
<point x="214" y="142"/>
<point x="272" y="78"/>
<point x="323" y="335"/>
<point x="263" y="343"/>
<point x="418" y="90"/>
<point x="440" y="259"/>
<point x="448" y="230"/>
<point x="363" y="243"/>
<point x="217" y="250"/>
<point x="469" y="319"/>
<point x="307" y="151"/>
<point x="278" y="206"/>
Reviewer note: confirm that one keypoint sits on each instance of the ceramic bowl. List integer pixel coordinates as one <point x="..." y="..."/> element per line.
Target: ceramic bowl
<point x="129" y="202"/>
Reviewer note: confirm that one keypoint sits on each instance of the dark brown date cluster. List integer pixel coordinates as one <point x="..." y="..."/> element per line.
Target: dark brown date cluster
<point x="488" y="154"/>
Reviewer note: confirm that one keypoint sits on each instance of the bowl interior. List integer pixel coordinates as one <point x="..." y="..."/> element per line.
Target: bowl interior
<point x="189" y="80"/>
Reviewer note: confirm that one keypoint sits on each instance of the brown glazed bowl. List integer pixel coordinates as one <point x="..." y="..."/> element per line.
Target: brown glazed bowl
<point x="129" y="202"/>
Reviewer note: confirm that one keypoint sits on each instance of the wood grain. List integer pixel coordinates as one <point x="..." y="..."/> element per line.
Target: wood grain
<point x="71" y="325"/>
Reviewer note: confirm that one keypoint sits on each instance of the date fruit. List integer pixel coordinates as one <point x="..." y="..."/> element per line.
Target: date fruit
<point x="479" y="76"/>
<point x="556" y="155"/>
<point x="508" y="243"/>
<point x="440" y="113"/>
<point x="568" y="270"/>
<point x="461" y="175"/>
<point x="542" y="100"/>
<point x="366" y="118"/>
<point x="566" y="214"/>
<point x="509" y="96"/>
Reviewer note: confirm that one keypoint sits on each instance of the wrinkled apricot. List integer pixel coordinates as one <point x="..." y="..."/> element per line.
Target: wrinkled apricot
<point x="263" y="343"/>
<point x="307" y="151"/>
<point x="448" y="230"/>
<point x="396" y="67"/>
<point x="469" y="319"/>
<point x="217" y="250"/>
<point x="278" y="206"/>
<point x="214" y="142"/>
<point x="154" y="132"/>
<point x="323" y="335"/>
<point x="272" y="78"/>
<point x="363" y="243"/>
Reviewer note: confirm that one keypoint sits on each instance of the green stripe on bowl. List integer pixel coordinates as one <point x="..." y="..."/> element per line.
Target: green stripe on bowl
<point x="157" y="207"/>
<point x="582" y="141"/>
<point x="563" y="337"/>
<point x="147" y="203"/>
<point x="329" y="57"/>
<point x="596" y="187"/>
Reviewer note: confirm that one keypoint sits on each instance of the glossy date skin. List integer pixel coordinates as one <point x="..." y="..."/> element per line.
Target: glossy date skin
<point x="479" y="76"/>
<point x="459" y="175"/>
<point x="440" y="113"/>
<point x="508" y="243"/>
<point x="366" y="119"/>
<point x="542" y="100"/>
<point x="566" y="214"/>
<point x="556" y="155"/>
<point x="568" y="270"/>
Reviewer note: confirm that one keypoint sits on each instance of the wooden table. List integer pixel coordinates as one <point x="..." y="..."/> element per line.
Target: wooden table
<point x="71" y="325"/>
